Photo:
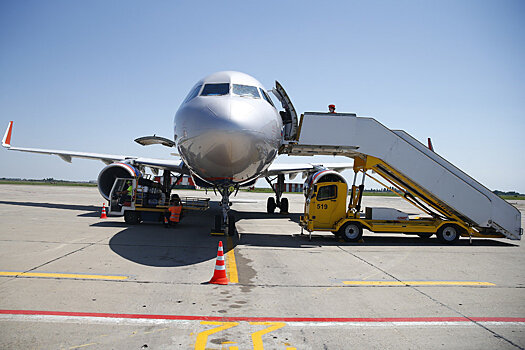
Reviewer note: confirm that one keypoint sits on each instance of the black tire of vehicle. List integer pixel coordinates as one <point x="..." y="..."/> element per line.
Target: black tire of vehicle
<point x="448" y="234"/>
<point x="231" y="225"/>
<point x="270" y="205"/>
<point x="284" y="205"/>
<point x="218" y="223"/>
<point x="351" y="231"/>
<point x="131" y="217"/>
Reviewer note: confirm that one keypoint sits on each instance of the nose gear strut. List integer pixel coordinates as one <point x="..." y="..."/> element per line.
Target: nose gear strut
<point x="225" y="222"/>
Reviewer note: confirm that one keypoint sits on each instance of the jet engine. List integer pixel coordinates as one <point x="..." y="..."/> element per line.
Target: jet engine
<point x="323" y="175"/>
<point x="107" y="176"/>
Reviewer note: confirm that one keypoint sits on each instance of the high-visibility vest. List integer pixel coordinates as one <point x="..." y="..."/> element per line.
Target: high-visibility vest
<point x="175" y="213"/>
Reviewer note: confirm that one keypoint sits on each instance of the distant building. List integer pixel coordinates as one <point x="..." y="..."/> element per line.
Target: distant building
<point x="185" y="182"/>
<point x="293" y="187"/>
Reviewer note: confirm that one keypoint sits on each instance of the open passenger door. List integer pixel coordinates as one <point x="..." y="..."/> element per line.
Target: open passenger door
<point x="289" y="115"/>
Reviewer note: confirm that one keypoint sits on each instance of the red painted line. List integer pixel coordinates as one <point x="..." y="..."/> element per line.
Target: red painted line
<point x="262" y="319"/>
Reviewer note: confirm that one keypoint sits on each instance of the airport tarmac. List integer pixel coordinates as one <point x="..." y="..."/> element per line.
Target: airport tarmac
<point x="70" y="280"/>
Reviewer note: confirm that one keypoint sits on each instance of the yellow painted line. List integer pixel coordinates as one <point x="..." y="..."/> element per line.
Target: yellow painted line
<point x="62" y="275"/>
<point x="417" y="283"/>
<point x="257" y="336"/>
<point x="233" y="276"/>
<point x="202" y="337"/>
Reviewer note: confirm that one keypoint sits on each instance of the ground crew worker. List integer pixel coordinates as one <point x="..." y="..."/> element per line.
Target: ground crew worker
<point x="175" y="210"/>
<point x="331" y="108"/>
<point x="126" y="193"/>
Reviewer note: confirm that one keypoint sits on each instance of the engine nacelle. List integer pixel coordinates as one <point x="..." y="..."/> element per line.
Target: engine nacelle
<point x="107" y="176"/>
<point x="324" y="175"/>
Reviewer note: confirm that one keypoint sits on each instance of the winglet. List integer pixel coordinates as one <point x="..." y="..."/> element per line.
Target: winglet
<point x="6" y="141"/>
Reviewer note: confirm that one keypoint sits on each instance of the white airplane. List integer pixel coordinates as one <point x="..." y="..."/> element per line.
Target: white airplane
<point x="227" y="132"/>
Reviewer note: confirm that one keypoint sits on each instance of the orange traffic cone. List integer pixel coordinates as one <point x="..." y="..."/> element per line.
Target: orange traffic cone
<point x="219" y="275"/>
<point x="103" y="215"/>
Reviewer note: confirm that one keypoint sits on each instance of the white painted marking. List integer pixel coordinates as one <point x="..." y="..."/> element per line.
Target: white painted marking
<point x="135" y="321"/>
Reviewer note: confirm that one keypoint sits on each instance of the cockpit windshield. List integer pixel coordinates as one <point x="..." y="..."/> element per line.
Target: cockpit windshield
<point x="216" y="89"/>
<point x="193" y="93"/>
<point x="266" y="97"/>
<point x="246" y="90"/>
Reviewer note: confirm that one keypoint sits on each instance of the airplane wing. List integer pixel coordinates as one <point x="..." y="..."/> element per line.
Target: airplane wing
<point x="167" y="164"/>
<point x="276" y="169"/>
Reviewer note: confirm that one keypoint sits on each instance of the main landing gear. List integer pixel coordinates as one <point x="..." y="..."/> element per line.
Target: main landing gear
<point x="225" y="222"/>
<point x="277" y="202"/>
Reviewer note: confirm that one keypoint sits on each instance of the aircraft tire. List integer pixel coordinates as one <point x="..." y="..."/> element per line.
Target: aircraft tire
<point x="448" y="234"/>
<point x="270" y="205"/>
<point x="284" y="205"/>
<point x="351" y="231"/>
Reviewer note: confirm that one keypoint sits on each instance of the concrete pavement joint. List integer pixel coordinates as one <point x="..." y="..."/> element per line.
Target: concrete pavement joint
<point x="55" y="259"/>
<point x="434" y="300"/>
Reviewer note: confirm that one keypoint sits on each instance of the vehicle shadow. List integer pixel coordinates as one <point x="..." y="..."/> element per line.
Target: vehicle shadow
<point x="239" y="215"/>
<point x="328" y="239"/>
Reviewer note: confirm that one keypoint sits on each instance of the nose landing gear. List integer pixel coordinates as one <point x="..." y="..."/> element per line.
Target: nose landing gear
<point x="225" y="222"/>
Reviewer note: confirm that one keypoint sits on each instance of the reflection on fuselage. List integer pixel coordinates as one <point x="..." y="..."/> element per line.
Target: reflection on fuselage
<point x="228" y="138"/>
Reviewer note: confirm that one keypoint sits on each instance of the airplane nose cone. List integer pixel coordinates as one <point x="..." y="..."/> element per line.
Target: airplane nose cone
<point x="228" y="142"/>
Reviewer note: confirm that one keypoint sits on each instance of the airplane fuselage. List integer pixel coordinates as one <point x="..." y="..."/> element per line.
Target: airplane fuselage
<point x="227" y="131"/>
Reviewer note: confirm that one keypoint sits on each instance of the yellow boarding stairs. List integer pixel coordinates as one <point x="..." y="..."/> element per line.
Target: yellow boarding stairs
<point x="455" y="203"/>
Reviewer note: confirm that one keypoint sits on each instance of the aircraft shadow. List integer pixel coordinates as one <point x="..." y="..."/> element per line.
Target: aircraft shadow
<point x="94" y="211"/>
<point x="190" y="242"/>
<point x="151" y="244"/>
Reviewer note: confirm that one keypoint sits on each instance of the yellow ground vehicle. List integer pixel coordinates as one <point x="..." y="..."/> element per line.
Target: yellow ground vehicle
<point x="147" y="202"/>
<point x="326" y="210"/>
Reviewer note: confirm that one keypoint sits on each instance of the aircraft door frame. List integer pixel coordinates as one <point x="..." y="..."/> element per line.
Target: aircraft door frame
<point x="290" y="129"/>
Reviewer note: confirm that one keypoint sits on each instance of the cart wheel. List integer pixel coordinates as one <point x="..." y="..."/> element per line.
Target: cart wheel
<point x="270" y="205"/>
<point x="425" y="235"/>
<point x="131" y="217"/>
<point x="448" y="234"/>
<point x="284" y="205"/>
<point x="351" y="231"/>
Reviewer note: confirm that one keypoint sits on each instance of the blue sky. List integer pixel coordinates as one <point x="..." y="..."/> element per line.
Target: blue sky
<point x="94" y="75"/>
